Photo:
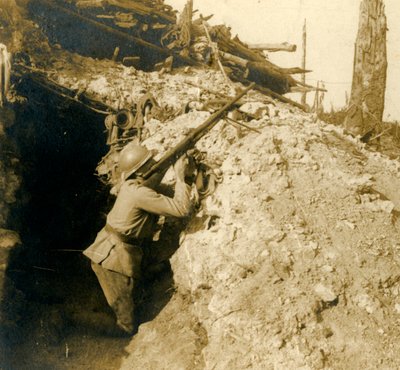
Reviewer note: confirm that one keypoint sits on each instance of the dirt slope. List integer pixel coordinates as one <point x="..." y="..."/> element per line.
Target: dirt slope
<point x="296" y="262"/>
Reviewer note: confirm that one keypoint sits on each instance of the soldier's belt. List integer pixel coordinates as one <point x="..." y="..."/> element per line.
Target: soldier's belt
<point x="122" y="237"/>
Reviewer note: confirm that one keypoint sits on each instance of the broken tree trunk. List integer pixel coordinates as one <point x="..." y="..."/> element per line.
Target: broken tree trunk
<point x="235" y="46"/>
<point x="367" y="100"/>
<point x="264" y="74"/>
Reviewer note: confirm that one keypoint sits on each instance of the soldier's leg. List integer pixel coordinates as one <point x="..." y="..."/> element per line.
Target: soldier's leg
<point x="118" y="290"/>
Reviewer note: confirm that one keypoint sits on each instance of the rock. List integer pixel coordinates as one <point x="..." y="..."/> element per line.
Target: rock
<point x="9" y="239"/>
<point x="373" y="203"/>
<point x="327" y="332"/>
<point x="256" y="109"/>
<point x="277" y="342"/>
<point x="328" y="268"/>
<point x="367" y="303"/>
<point x="324" y="293"/>
<point x="351" y="225"/>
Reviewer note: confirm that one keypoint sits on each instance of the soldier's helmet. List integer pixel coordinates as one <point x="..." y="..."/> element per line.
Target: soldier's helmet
<point x="131" y="158"/>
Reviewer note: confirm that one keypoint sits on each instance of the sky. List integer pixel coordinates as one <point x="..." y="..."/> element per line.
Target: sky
<point x="331" y="33"/>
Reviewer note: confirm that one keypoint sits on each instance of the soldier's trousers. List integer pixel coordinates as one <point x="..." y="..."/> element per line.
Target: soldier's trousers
<point x="118" y="290"/>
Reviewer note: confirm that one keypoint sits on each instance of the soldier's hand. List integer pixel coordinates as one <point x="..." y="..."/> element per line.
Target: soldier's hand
<point x="180" y="168"/>
<point x="191" y="167"/>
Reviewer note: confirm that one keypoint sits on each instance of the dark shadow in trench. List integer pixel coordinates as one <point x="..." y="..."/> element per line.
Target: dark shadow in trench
<point x="57" y="314"/>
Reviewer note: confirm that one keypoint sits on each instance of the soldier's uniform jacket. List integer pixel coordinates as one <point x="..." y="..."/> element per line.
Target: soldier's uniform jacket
<point x="132" y="219"/>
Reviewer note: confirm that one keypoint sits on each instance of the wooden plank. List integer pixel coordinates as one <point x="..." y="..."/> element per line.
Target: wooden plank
<point x="284" y="46"/>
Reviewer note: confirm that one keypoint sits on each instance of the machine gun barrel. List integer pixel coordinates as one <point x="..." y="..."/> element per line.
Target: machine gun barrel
<point x="172" y="155"/>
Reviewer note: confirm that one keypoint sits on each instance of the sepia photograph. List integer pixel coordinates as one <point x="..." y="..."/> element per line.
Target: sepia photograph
<point x="199" y="184"/>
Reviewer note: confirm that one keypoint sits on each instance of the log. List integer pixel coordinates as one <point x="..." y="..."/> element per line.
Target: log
<point x="265" y="76"/>
<point x="299" y="83"/>
<point x="295" y="70"/>
<point x="272" y="94"/>
<point x="244" y="63"/>
<point x="267" y="73"/>
<point x="284" y="46"/>
<point x="263" y="73"/>
<point x="234" y="59"/>
<point x="235" y="46"/>
<point x="131" y="61"/>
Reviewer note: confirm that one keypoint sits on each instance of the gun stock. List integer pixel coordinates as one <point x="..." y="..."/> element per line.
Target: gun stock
<point x="172" y="155"/>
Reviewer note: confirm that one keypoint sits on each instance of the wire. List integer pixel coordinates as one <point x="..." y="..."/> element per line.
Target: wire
<point x="331" y="82"/>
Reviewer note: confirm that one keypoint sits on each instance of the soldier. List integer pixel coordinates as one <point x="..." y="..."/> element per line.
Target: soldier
<point x="116" y="253"/>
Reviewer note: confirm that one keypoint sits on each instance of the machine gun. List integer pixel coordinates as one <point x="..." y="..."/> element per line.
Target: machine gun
<point x="172" y="155"/>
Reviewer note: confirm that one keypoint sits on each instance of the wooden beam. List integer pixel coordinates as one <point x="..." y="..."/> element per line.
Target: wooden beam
<point x="234" y="59"/>
<point x="295" y="70"/>
<point x="284" y="46"/>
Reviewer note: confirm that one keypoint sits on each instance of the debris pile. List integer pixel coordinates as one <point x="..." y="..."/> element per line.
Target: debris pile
<point x="292" y="262"/>
<point x="113" y="88"/>
<point x="145" y="20"/>
<point x="138" y="33"/>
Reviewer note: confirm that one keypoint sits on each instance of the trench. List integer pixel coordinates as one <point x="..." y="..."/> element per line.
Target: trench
<point x="59" y="316"/>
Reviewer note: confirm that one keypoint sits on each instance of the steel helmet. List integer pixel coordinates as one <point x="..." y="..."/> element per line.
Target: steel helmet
<point x="131" y="158"/>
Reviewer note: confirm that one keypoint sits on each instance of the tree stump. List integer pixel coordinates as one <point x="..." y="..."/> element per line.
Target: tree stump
<point x="367" y="100"/>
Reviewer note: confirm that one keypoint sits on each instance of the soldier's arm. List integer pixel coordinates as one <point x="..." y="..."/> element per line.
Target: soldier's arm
<point x="153" y="202"/>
